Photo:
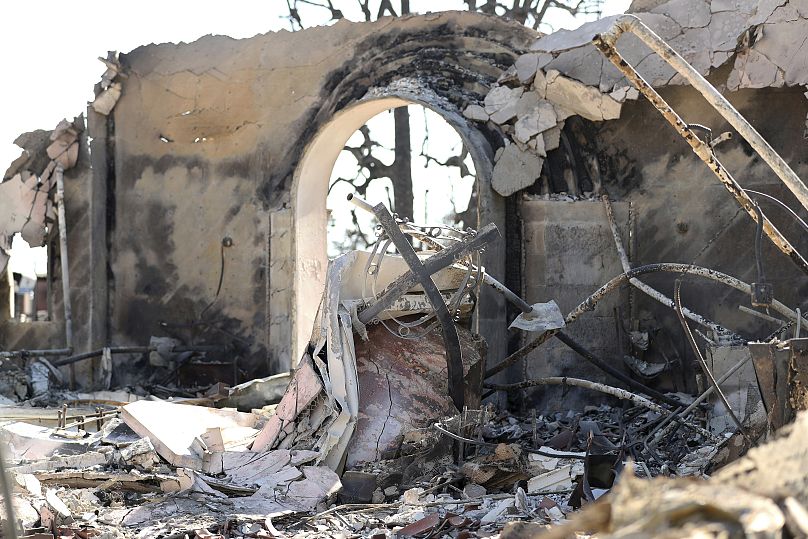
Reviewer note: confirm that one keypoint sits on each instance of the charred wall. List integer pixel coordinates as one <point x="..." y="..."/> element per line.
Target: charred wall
<point x="207" y="138"/>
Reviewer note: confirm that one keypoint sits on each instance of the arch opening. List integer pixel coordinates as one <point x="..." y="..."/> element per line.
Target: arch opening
<point x="310" y="192"/>
<point x="414" y="162"/>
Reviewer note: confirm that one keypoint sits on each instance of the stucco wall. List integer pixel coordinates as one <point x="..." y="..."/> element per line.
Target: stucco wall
<point x="208" y="136"/>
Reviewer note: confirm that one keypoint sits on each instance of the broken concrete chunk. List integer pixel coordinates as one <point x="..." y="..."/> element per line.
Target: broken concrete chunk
<point x="28" y="483"/>
<point x="499" y="510"/>
<point x="500" y="103"/>
<point x="515" y="170"/>
<point x="26" y="442"/>
<point x="473" y="490"/>
<point x="583" y="100"/>
<point x="558" y="480"/>
<point x="476" y="112"/>
<point x="56" y="504"/>
<point x="106" y="100"/>
<point x="540" y="119"/>
<point x="526" y="67"/>
<point x="319" y="483"/>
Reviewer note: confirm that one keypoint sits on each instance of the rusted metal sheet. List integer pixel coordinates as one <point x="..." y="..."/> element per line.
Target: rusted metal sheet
<point x="402" y="387"/>
<point x="782" y="374"/>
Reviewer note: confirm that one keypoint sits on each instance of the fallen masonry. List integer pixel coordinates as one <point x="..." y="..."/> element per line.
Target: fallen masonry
<point x="615" y="348"/>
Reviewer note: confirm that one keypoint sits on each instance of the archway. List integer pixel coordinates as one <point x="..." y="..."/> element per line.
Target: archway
<point x="411" y="159"/>
<point x="309" y="221"/>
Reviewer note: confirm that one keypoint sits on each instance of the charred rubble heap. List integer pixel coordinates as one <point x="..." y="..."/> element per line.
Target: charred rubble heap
<point x="615" y="349"/>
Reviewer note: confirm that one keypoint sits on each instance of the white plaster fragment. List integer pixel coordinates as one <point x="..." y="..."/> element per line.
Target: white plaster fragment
<point x="514" y="170"/>
<point x="526" y="67"/>
<point x="624" y="93"/>
<point x="583" y="100"/>
<point x="541" y="118"/>
<point x="752" y="70"/>
<point x="540" y="84"/>
<point x="552" y="137"/>
<point x="571" y="39"/>
<point x="537" y="145"/>
<point x="501" y="97"/>
<point x="527" y="103"/>
<point x="508" y="112"/>
<point x="476" y="112"/>
<point x="687" y="13"/>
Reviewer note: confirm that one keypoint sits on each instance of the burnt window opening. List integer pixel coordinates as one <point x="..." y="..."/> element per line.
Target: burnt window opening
<point x="433" y="176"/>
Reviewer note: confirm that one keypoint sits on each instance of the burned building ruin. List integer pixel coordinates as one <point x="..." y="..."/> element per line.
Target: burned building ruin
<point x="190" y="200"/>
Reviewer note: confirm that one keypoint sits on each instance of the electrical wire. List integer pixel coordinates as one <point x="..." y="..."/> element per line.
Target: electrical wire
<point x="783" y="205"/>
<point x="761" y="276"/>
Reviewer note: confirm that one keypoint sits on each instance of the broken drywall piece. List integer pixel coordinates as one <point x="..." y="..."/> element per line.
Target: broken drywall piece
<point x="27" y="442"/>
<point x="303" y="389"/>
<point x="514" y="170"/>
<point x="558" y="480"/>
<point x="160" y="422"/>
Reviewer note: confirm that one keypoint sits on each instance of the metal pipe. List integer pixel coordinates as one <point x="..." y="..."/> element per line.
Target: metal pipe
<point x="605" y="44"/>
<point x="605" y="367"/>
<point x="702" y="362"/>
<point x="35" y="353"/>
<point x="133" y="350"/>
<point x="646" y="289"/>
<point x="762" y="316"/>
<point x="603" y="388"/>
<point x="517" y="301"/>
<point x="630" y="23"/>
<point x="360" y="203"/>
<point x="60" y="208"/>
